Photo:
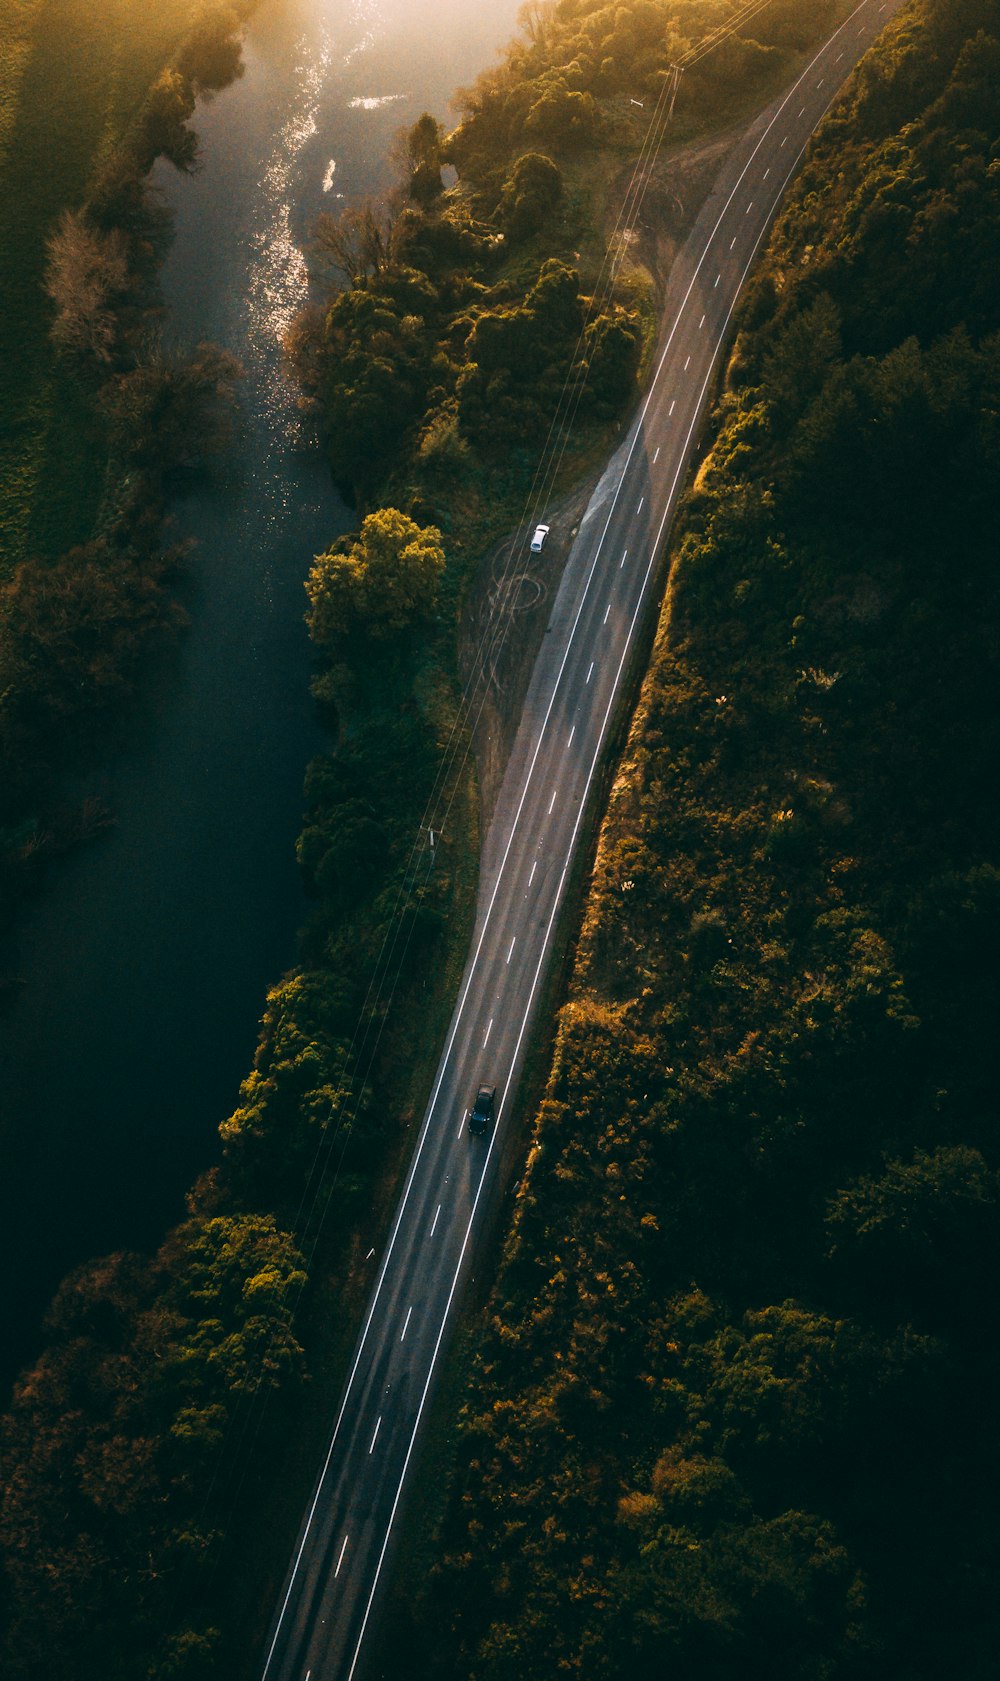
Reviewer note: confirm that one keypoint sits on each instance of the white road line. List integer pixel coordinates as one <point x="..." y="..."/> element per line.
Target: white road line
<point x="641" y="501"/>
<point x="748" y="208"/>
<point x="656" y="457"/>
<point x="377" y="1429"/>
<point x="489" y="1030"/>
<point x="687" y="364"/>
<point x="571" y="735"/>
<point x="767" y="172"/>
<point x="785" y="141"/>
<point x="590" y="673"/>
<point x="822" y="79"/>
<point x="732" y="242"/>
<point x="337" y="1571"/>
<point x="717" y="279"/>
<point x="472" y="968"/>
<point x="435" y="1220"/>
<point x="532" y="875"/>
<point x="406" y="1322"/>
<point x="606" y="612"/>
<point x="701" y="323"/>
<point x="802" y="112"/>
<point x="672" y="407"/>
<point x="513" y="942"/>
<point x="555" y="790"/>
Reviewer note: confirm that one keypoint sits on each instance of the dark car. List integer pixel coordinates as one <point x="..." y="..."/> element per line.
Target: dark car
<point x="482" y="1111"/>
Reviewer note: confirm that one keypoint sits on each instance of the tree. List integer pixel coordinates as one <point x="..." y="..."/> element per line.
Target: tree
<point x="163" y="130"/>
<point x="171" y="410"/>
<point x="422" y="153"/>
<point x="531" y="193"/>
<point x="359" y="242"/>
<point x="375" y="366"/>
<point x="211" y="57"/>
<point x="381" y="583"/>
<point x="928" y="1229"/>
<point x="86" y="277"/>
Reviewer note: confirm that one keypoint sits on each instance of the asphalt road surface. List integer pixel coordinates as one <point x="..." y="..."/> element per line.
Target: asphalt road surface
<point x="610" y="588"/>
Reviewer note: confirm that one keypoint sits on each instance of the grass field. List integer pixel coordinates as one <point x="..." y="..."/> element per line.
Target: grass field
<point x="72" y="74"/>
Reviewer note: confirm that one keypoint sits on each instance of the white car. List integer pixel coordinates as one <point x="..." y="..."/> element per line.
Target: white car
<point x="538" y="540"/>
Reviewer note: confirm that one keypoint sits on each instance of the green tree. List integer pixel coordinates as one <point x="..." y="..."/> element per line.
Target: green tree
<point x="531" y="193"/>
<point x="382" y="582"/>
<point x="422" y="153"/>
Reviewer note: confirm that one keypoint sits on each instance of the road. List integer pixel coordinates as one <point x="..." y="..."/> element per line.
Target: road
<point x="609" y="591"/>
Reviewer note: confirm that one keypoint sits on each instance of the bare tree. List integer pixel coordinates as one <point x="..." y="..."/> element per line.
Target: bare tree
<point x="360" y="242"/>
<point x="87" y="274"/>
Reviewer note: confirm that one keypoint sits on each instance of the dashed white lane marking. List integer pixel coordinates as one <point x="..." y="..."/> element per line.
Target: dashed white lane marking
<point x="339" y="1563"/>
<point x="732" y="242"/>
<point x="590" y="673"/>
<point x="435" y="1220"/>
<point x="641" y="501"/>
<point x="701" y="323"/>
<point x="785" y="141"/>
<point x="839" y="57"/>
<point x="377" y="1429"/>
<point x="822" y="79"/>
<point x="606" y="612"/>
<point x="513" y="942"/>
<point x="555" y="790"/>
<point x="489" y="1030"/>
<point x="717" y="279"/>
<point x="656" y="457"/>
<point x="571" y="735"/>
<point x="687" y="364"/>
<point x="672" y="407"/>
<point x="767" y="172"/>
<point x="532" y="875"/>
<point x="802" y="112"/>
<point x="749" y="208"/>
<point x="406" y="1322"/>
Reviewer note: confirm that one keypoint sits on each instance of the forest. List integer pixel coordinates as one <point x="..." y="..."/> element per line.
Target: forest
<point x="731" y="1408"/>
<point x="140" y="1449"/>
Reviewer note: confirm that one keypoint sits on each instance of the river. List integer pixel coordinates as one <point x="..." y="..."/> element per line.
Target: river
<point x="146" y="960"/>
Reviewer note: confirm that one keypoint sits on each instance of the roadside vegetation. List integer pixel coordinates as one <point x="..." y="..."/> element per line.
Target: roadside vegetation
<point x="141" y="1450"/>
<point x="96" y="414"/>
<point x="732" y="1404"/>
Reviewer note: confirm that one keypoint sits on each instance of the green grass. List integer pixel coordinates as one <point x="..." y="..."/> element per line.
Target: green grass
<point x="73" y="75"/>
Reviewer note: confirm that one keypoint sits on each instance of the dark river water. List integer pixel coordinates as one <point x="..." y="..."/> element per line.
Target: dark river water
<point x="147" y="959"/>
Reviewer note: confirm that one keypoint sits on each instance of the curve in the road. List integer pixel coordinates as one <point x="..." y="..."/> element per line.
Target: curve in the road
<point x="606" y="592"/>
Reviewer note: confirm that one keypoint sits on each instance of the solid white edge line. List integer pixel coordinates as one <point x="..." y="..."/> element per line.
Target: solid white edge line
<point x="637" y="432"/>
